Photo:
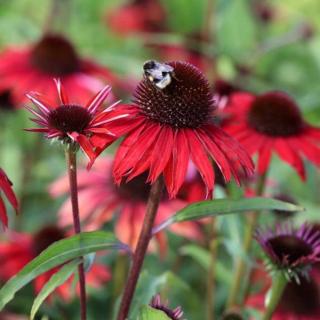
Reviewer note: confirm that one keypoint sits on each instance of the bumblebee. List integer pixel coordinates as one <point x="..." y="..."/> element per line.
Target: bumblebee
<point x="158" y="73"/>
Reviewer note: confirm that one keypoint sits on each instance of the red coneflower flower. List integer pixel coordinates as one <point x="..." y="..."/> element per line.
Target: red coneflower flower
<point x="6" y="188"/>
<point x="138" y="16"/>
<point x="290" y="250"/>
<point x="172" y="123"/>
<point x="21" y="248"/>
<point x="87" y="126"/>
<point x="272" y="122"/>
<point x="298" y="302"/>
<point x="53" y="56"/>
<point x="100" y="199"/>
<point x="173" y="314"/>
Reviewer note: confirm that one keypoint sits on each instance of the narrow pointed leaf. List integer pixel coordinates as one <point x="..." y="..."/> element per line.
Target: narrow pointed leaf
<point x="55" y="281"/>
<point x="148" y="313"/>
<point x="56" y="254"/>
<point x="218" y="207"/>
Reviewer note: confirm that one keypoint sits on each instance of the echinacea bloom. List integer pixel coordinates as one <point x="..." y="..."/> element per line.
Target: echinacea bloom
<point x="272" y="122"/>
<point x="290" y="250"/>
<point x="173" y="314"/>
<point x="87" y="125"/>
<point x="6" y="188"/>
<point x="20" y="248"/>
<point x="136" y="17"/>
<point x="298" y="302"/>
<point x="100" y="200"/>
<point x="53" y="56"/>
<point x="172" y="125"/>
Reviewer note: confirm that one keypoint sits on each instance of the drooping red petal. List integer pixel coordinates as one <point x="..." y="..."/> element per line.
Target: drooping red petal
<point x="5" y="186"/>
<point x="161" y="155"/>
<point x="181" y="153"/>
<point x="264" y="156"/>
<point x="136" y="150"/>
<point x="290" y="156"/>
<point x="311" y="151"/>
<point x="3" y="213"/>
<point x="216" y="154"/>
<point x="84" y="144"/>
<point x="200" y="158"/>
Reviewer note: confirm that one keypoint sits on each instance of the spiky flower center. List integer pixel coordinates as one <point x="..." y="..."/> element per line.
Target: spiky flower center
<point x="275" y="114"/>
<point x="136" y="189"/>
<point x="45" y="237"/>
<point x="69" y="118"/>
<point x="185" y="103"/>
<point x="55" y="56"/>
<point x="289" y="247"/>
<point x="302" y="298"/>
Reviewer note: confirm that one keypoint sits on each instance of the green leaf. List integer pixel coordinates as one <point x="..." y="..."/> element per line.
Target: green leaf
<point x="148" y="313"/>
<point x="218" y="207"/>
<point x="55" y="281"/>
<point x="56" y="254"/>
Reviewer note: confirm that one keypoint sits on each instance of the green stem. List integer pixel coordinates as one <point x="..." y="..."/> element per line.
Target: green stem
<point x="241" y="266"/>
<point x="71" y="159"/>
<point x="213" y="246"/>
<point x="274" y="295"/>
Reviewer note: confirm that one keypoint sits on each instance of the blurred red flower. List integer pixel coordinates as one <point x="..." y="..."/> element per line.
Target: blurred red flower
<point x="272" y="122"/>
<point x="53" y="56"/>
<point x="20" y="248"/>
<point x="100" y="200"/>
<point x="6" y="188"/>
<point x="137" y="16"/>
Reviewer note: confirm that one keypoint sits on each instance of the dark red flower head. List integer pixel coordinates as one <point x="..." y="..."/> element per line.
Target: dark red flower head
<point x="87" y="126"/>
<point x="275" y="114"/>
<point x="272" y="122"/>
<point x="173" y="314"/>
<point x="171" y="124"/>
<point x="52" y="56"/>
<point x="290" y="250"/>
<point x="55" y="55"/>
<point x="6" y="101"/>
<point x="6" y="188"/>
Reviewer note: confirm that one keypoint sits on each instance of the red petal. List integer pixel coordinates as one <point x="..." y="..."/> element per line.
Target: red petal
<point x="200" y="158"/>
<point x="216" y="154"/>
<point x="3" y="213"/>
<point x="98" y="99"/>
<point x="290" y="156"/>
<point x="265" y="156"/>
<point x="161" y="155"/>
<point x="61" y="92"/>
<point x="136" y="150"/>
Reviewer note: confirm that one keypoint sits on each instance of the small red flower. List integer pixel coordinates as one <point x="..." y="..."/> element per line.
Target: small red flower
<point x="269" y="123"/>
<point x="53" y="56"/>
<point x="88" y="125"/>
<point x="20" y="248"/>
<point x="100" y="200"/>
<point x="172" y="125"/>
<point x="6" y="187"/>
<point x="173" y="314"/>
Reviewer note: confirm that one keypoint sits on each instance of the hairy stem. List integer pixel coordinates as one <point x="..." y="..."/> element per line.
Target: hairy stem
<point x="71" y="159"/>
<point x="141" y="249"/>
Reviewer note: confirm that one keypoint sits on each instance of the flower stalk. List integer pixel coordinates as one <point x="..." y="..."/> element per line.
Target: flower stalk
<point x="241" y="266"/>
<point x="274" y="295"/>
<point x="141" y="249"/>
<point x="71" y="159"/>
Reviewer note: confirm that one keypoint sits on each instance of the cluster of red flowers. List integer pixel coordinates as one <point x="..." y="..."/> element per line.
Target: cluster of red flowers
<point x="169" y="132"/>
